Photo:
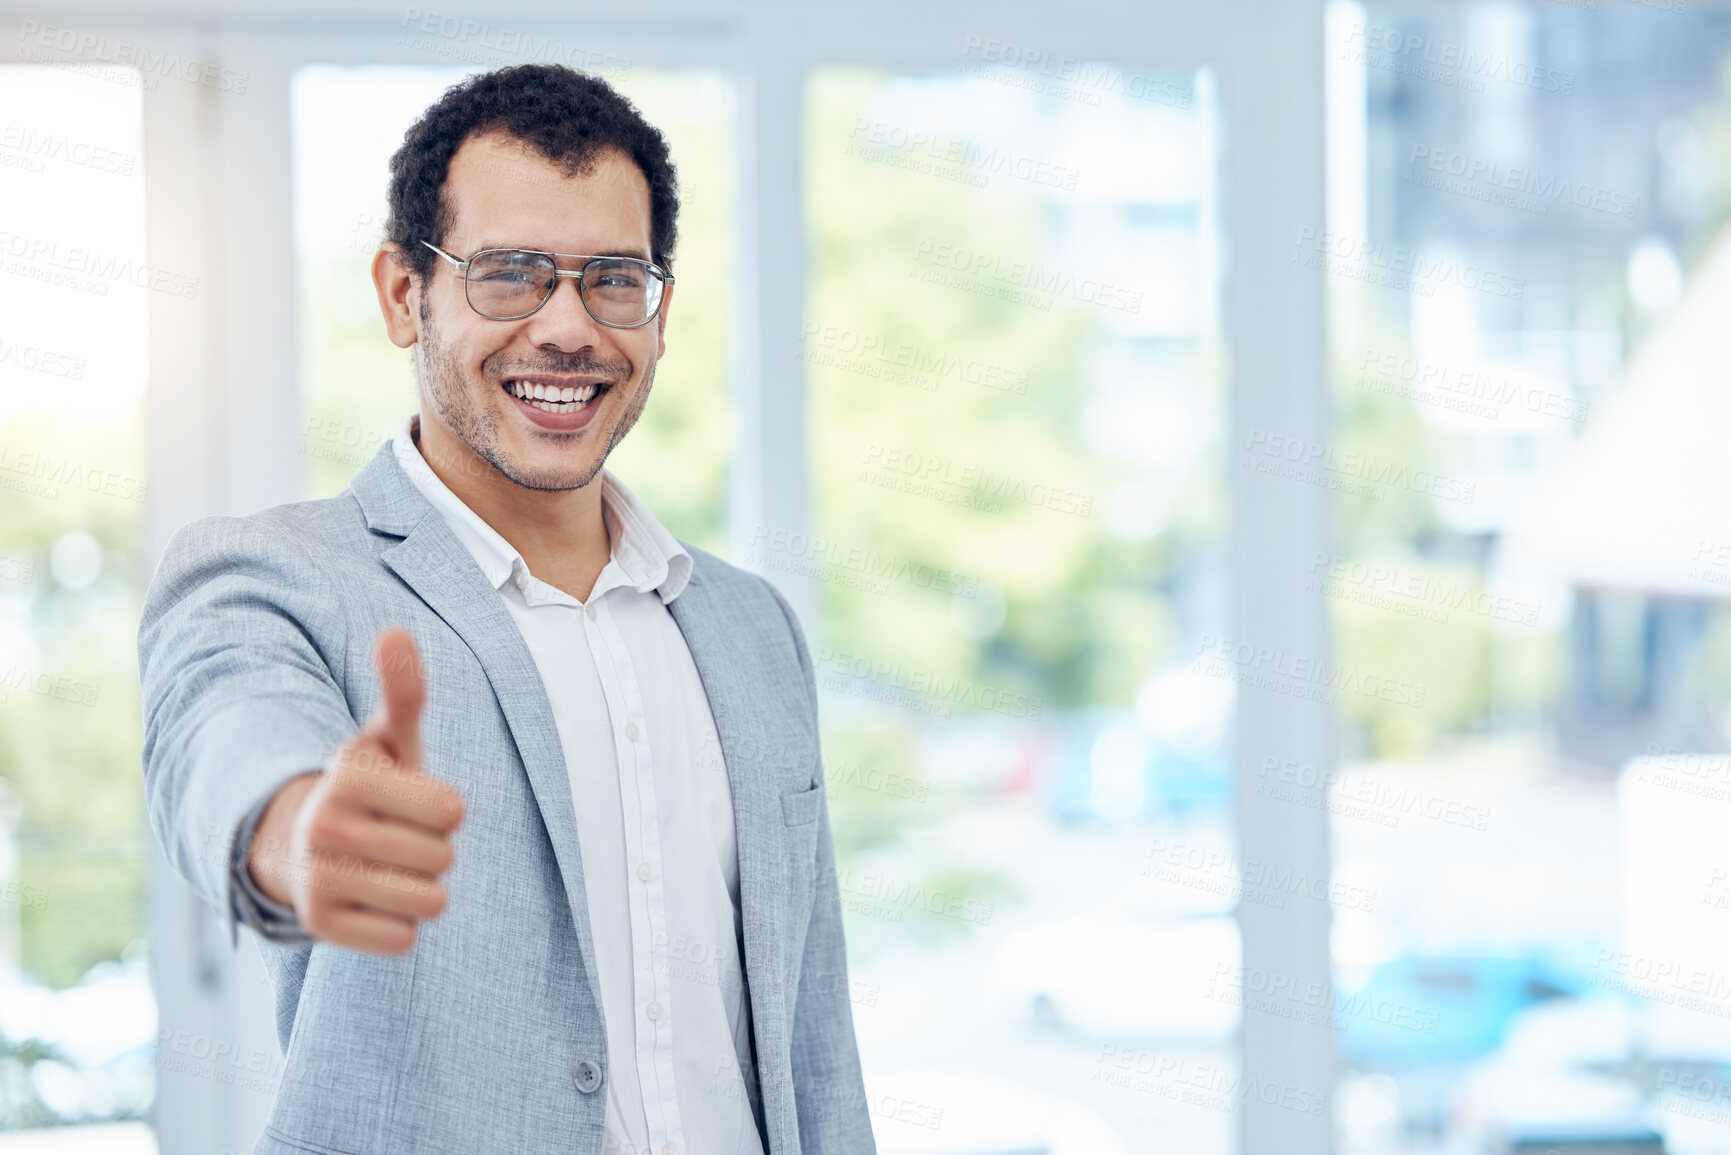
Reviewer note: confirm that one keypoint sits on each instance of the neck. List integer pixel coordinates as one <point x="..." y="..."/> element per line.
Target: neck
<point x="562" y="534"/>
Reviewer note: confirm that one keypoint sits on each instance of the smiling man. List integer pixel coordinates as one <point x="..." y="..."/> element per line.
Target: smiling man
<point x="570" y="886"/>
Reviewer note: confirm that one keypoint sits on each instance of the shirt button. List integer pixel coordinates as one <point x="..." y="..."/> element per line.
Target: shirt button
<point x="631" y="730"/>
<point x="645" y="871"/>
<point x="653" y="1010"/>
<point x="590" y="610"/>
<point x="669" y="1149"/>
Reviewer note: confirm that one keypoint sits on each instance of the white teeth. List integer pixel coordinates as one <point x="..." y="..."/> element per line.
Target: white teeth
<point x="552" y="399"/>
<point x="542" y="392"/>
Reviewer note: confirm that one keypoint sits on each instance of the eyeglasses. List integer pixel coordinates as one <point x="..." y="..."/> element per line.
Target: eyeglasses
<point x="510" y="284"/>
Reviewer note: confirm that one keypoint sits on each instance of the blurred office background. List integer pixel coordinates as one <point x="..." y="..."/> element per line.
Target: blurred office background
<point x="1254" y="477"/>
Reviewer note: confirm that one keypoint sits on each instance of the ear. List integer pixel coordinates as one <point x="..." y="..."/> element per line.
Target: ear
<point x="661" y="323"/>
<point x="399" y="293"/>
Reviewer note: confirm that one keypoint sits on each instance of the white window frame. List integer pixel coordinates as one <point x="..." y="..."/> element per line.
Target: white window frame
<point x="225" y="415"/>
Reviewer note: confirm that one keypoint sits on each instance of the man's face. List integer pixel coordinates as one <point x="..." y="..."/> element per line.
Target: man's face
<point x="504" y="194"/>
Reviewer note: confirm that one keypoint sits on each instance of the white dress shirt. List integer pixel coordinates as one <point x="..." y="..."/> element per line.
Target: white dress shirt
<point x="654" y="822"/>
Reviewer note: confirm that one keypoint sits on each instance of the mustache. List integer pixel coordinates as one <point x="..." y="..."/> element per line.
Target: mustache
<point x="577" y="364"/>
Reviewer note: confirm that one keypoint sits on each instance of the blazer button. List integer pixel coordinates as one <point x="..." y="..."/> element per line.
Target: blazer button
<point x="588" y="1076"/>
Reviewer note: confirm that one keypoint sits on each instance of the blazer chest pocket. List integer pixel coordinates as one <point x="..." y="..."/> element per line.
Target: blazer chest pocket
<point x="800" y="806"/>
<point x="799" y="810"/>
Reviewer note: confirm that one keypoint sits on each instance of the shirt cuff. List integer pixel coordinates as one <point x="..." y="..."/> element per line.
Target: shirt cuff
<point x="269" y="919"/>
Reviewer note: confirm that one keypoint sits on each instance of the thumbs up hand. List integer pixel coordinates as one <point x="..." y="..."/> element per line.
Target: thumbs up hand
<point x="357" y="848"/>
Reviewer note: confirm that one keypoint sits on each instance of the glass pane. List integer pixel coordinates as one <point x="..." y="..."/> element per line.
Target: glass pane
<point x="1527" y="273"/>
<point x="1014" y="351"/>
<point x="77" y="1015"/>
<point x="358" y="388"/>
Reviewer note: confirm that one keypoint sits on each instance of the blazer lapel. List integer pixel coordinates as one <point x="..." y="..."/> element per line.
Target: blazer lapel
<point x="707" y="624"/>
<point x="715" y="636"/>
<point x="429" y="559"/>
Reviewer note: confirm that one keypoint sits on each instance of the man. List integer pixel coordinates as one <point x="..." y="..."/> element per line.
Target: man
<point x="571" y="886"/>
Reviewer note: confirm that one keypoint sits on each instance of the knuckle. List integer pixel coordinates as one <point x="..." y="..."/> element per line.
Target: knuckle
<point x="324" y="829"/>
<point x="314" y="917"/>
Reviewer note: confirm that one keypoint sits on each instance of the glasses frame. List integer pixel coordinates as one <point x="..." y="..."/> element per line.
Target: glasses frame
<point x="462" y="266"/>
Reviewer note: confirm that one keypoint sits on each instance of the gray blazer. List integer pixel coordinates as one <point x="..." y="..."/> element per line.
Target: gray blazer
<point x="255" y="654"/>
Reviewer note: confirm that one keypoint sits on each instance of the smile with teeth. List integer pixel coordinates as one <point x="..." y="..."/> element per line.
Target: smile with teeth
<point x="551" y="398"/>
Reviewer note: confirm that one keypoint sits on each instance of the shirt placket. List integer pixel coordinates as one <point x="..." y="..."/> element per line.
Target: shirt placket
<point x="646" y="897"/>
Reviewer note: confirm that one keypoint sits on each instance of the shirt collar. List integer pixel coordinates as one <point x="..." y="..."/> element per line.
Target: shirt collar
<point x="645" y="555"/>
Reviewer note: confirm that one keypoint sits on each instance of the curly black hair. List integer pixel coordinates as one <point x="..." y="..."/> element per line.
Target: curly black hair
<point x="568" y="116"/>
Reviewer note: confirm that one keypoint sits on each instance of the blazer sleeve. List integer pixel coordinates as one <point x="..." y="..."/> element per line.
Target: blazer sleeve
<point x="236" y="648"/>
<point x="828" y="1082"/>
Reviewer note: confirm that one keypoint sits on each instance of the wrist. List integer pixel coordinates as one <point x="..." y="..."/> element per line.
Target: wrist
<point x="268" y="855"/>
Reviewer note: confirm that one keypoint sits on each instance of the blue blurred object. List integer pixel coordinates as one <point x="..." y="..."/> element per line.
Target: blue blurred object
<point x="1427" y="1011"/>
<point x="1634" y="1138"/>
<point x="1172" y="783"/>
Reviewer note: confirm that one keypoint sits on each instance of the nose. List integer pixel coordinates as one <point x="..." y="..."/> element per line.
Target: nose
<point x="564" y="322"/>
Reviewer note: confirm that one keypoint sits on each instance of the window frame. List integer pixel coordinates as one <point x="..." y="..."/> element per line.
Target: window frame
<point x="225" y="419"/>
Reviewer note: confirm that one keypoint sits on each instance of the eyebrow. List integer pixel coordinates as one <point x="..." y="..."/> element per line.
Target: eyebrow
<point x="639" y="254"/>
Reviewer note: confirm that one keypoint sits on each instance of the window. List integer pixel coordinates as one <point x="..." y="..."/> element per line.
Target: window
<point x="1014" y="353"/>
<point x="77" y="1016"/>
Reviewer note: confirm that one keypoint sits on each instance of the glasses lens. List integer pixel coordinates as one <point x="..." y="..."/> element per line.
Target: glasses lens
<point x="507" y="283"/>
<point x="620" y="290"/>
